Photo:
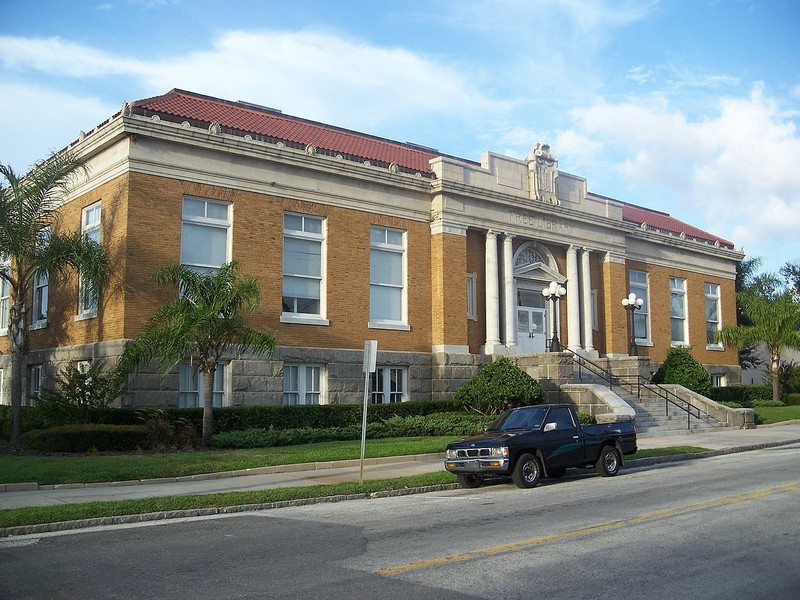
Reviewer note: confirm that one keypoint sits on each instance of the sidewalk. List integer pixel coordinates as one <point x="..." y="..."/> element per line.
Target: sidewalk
<point x="24" y="495"/>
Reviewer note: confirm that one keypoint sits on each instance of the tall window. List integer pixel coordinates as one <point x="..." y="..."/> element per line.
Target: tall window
<point x="303" y="247"/>
<point x="40" y="287"/>
<point x="472" y="284"/>
<point x="5" y="295"/>
<point x="387" y="276"/>
<point x="388" y="385"/>
<point x="713" y="323"/>
<point x="90" y="229"/>
<point x="302" y="384"/>
<point x="205" y="234"/>
<point x="190" y="386"/>
<point x="34" y="383"/>
<point x="637" y="282"/>
<point x="677" y="310"/>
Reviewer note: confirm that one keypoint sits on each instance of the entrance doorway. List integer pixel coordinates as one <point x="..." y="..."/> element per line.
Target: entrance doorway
<point x="531" y="329"/>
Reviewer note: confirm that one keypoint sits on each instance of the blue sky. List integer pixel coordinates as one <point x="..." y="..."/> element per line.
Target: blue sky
<point x="686" y="106"/>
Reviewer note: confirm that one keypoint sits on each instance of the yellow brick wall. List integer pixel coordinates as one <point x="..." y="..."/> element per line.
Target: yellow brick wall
<point x="614" y="319"/>
<point x="661" y="333"/>
<point x="476" y="263"/>
<point x="257" y="242"/>
<point x="448" y="289"/>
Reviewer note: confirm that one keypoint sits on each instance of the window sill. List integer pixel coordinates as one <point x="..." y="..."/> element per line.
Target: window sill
<point x="679" y="345"/>
<point x="644" y="343"/>
<point x="86" y="315"/>
<point x="303" y="319"/>
<point x="37" y="325"/>
<point x="388" y="325"/>
<point x="715" y="348"/>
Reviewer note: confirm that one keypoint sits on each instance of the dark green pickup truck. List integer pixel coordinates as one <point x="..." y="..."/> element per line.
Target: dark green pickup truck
<point x="531" y="442"/>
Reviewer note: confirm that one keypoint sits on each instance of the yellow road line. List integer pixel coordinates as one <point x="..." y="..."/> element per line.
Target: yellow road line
<point x="515" y="546"/>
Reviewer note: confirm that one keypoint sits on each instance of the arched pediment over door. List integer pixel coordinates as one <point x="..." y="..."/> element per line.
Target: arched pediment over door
<point x="535" y="263"/>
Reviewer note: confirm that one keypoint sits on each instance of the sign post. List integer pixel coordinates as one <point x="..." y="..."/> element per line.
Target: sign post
<point x="370" y="364"/>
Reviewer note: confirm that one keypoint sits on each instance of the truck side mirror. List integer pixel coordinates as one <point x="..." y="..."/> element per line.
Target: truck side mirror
<point x="550" y="427"/>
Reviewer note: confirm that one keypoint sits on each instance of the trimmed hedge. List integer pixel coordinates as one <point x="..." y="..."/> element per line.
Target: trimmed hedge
<point x="746" y="396"/>
<point x="87" y="438"/>
<point x="680" y="367"/>
<point x="238" y="418"/>
<point x="455" y="424"/>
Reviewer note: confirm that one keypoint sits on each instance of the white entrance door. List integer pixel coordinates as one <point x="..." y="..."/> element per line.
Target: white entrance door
<point x="531" y="329"/>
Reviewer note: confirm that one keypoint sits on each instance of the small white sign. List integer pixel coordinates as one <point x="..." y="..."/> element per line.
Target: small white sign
<point x="370" y="356"/>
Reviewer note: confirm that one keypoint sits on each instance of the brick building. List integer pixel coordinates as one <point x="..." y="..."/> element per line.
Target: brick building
<point x="352" y="237"/>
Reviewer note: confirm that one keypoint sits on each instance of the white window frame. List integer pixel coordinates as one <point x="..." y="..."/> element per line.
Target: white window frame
<point x="35" y="377"/>
<point x="385" y="245"/>
<point x="190" y="386"/>
<point x="303" y="384"/>
<point x="5" y="297"/>
<point x="205" y="220"/>
<point x="472" y="286"/>
<point x="678" y="292"/>
<point x="41" y="292"/>
<point x="712" y="295"/>
<point x="2" y="387"/>
<point x="385" y="392"/>
<point x="304" y="233"/>
<point x="639" y="284"/>
<point x="91" y="218"/>
<point x="41" y="288"/>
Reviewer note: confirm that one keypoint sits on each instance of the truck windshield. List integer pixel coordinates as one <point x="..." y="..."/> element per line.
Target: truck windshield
<point x="519" y="418"/>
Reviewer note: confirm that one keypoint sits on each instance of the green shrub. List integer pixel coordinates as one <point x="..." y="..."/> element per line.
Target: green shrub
<point x="793" y="399"/>
<point x="165" y="434"/>
<point x="743" y="395"/>
<point x="757" y="403"/>
<point x="499" y="386"/>
<point x="731" y="404"/>
<point x="586" y="419"/>
<point x="87" y="438"/>
<point x="78" y="392"/>
<point x="681" y="368"/>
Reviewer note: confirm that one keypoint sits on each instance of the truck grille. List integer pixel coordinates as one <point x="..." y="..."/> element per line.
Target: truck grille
<point x="473" y="452"/>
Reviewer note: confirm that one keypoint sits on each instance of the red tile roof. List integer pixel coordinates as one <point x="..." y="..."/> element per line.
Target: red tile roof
<point x="261" y="122"/>
<point x="667" y="224"/>
<point x="269" y="123"/>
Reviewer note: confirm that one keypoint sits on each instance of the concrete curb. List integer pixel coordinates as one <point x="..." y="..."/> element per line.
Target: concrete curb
<point x="201" y="512"/>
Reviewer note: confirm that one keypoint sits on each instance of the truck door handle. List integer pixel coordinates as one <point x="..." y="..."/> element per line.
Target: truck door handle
<point x="575" y="437"/>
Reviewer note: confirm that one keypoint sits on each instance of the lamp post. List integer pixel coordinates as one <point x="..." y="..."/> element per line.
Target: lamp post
<point x="632" y="304"/>
<point x="554" y="292"/>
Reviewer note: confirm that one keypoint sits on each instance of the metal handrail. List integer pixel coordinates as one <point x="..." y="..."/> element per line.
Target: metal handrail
<point x="634" y="384"/>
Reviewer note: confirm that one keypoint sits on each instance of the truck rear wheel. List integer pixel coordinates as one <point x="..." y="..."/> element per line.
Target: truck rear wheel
<point x="609" y="462"/>
<point x="469" y="481"/>
<point x="527" y="471"/>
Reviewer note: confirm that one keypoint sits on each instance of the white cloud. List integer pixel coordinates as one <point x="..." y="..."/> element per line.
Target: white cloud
<point x="45" y="120"/>
<point x="733" y="173"/>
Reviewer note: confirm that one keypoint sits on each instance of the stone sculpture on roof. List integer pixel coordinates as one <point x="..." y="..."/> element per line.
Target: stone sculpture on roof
<point x="542" y="174"/>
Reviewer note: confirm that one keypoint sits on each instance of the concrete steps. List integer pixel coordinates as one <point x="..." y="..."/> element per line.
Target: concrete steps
<point x="654" y="416"/>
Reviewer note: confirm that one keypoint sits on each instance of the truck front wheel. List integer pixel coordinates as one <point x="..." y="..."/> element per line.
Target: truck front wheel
<point x="608" y="463"/>
<point x="469" y="481"/>
<point x="527" y="471"/>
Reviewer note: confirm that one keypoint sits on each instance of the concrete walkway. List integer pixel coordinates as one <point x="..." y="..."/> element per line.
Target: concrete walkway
<point x="30" y="494"/>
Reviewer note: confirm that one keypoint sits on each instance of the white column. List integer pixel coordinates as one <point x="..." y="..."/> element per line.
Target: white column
<point x="492" y="293"/>
<point x="586" y="301"/>
<point x="573" y="301"/>
<point x="508" y="288"/>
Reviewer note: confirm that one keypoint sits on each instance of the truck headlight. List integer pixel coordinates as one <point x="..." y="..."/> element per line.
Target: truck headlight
<point x="451" y="454"/>
<point x="501" y="452"/>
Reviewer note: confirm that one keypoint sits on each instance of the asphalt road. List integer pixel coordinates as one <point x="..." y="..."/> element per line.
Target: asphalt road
<point x="719" y="528"/>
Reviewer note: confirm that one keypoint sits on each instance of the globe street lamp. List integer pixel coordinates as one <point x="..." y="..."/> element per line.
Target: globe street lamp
<point x="632" y="304"/>
<point x="554" y="292"/>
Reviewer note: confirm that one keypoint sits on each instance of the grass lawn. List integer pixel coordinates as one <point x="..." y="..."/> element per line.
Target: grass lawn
<point x="47" y="470"/>
<point x="776" y="414"/>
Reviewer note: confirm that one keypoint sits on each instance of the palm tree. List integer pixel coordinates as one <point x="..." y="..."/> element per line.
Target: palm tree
<point x="31" y="247"/>
<point x="774" y="321"/>
<point x="200" y="324"/>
